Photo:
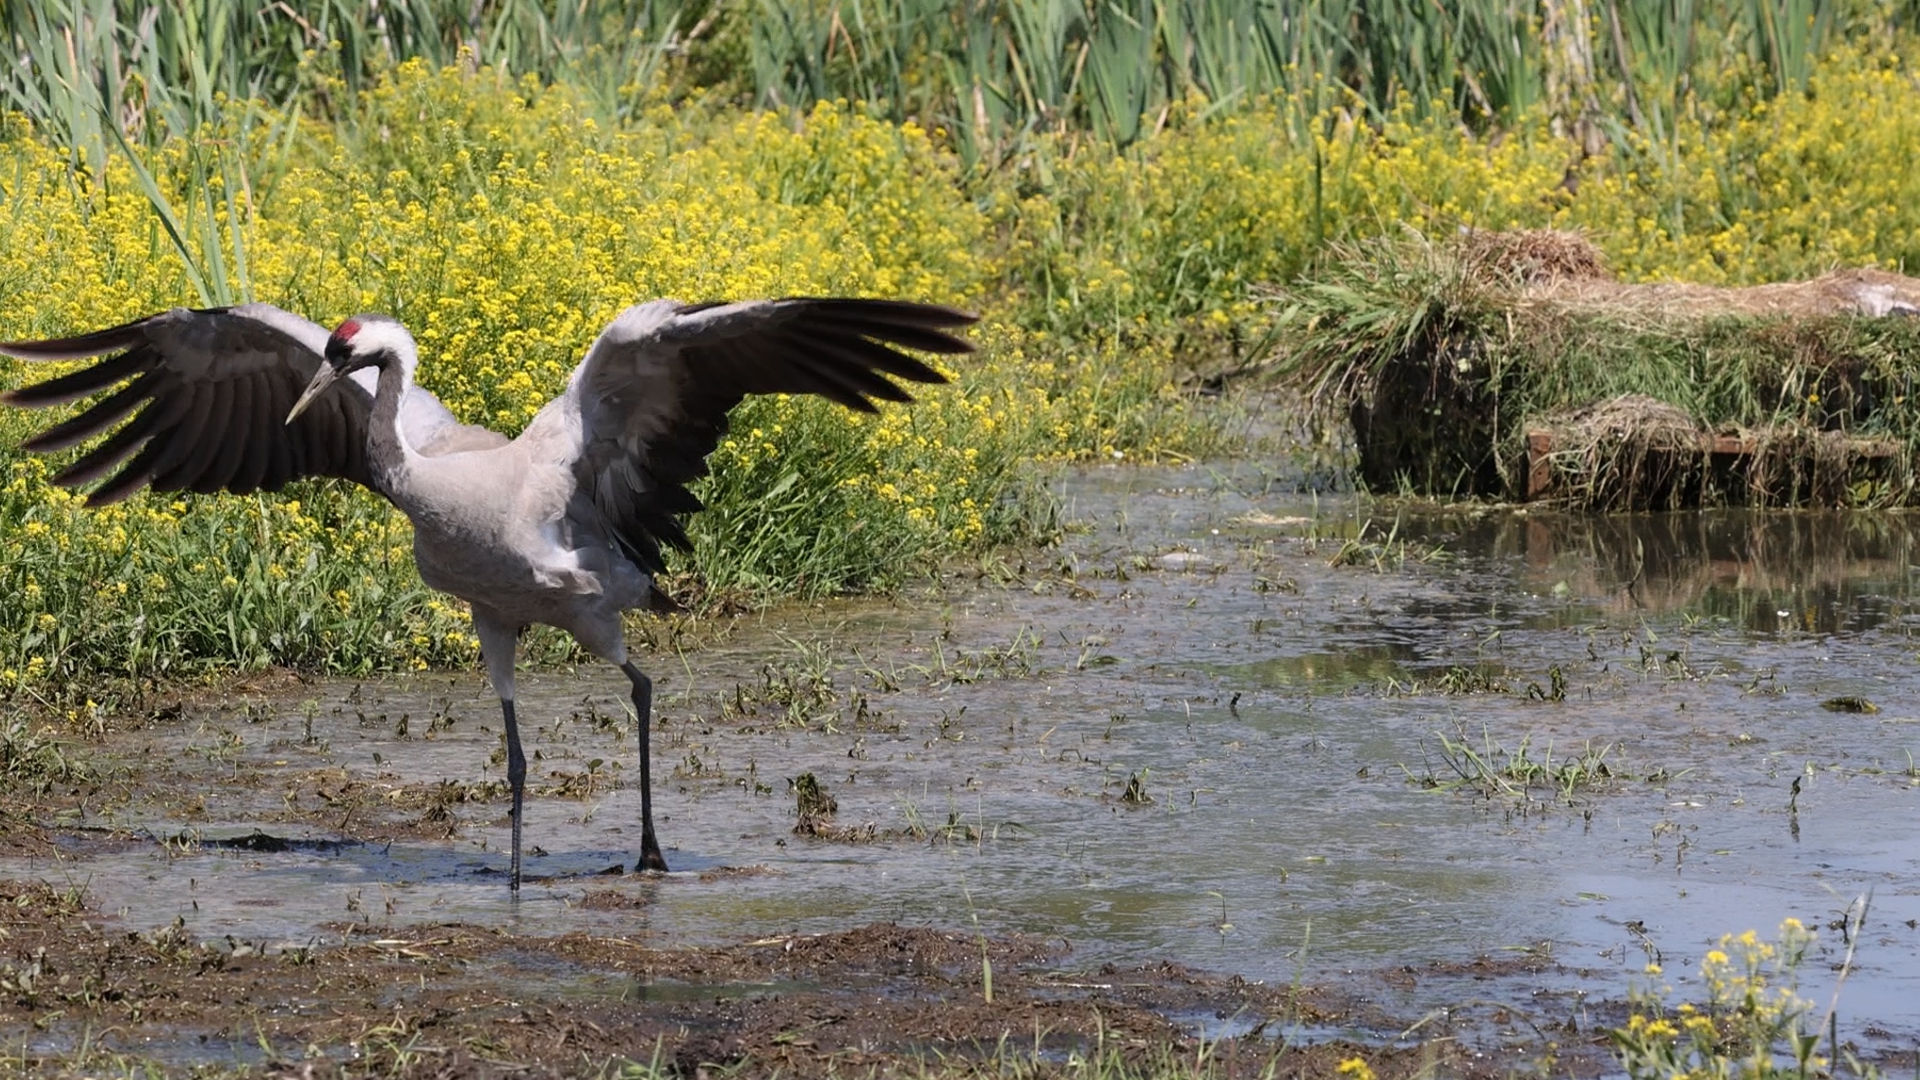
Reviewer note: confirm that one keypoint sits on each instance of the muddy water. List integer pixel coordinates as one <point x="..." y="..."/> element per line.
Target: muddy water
<point x="1183" y="736"/>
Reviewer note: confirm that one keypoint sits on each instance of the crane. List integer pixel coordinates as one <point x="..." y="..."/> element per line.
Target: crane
<point x="562" y="525"/>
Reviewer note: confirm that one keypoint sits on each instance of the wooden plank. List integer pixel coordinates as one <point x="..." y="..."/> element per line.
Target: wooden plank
<point x="1540" y="454"/>
<point x="1539" y="463"/>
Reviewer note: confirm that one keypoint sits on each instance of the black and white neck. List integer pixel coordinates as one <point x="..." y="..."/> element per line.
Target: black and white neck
<point x="380" y="342"/>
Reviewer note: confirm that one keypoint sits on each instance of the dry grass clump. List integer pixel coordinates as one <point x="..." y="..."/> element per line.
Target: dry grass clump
<point x="1625" y="450"/>
<point x="1850" y="291"/>
<point x="1534" y="258"/>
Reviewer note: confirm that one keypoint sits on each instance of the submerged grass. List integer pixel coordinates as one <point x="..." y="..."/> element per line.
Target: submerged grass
<point x="1383" y="550"/>
<point x="1519" y="774"/>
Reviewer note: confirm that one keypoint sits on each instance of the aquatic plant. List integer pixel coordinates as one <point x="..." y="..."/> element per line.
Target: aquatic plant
<point x="1382" y="549"/>
<point x="1493" y="771"/>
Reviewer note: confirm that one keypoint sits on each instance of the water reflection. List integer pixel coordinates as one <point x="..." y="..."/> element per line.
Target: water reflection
<point x="1346" y="669"/>
<point x="1810" y="572"/>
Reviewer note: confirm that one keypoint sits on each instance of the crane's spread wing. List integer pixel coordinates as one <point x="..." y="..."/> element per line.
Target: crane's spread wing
<point x="208" y="397"/>
<point x="208" y="393"/>
<point x="655" y="388"/>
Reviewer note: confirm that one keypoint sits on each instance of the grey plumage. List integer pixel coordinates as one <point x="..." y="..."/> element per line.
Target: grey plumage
<point x="563" y="525"/>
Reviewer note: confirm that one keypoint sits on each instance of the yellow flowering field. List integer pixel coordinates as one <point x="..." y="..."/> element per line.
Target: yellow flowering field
<point x="1182" y="226"/>
<point x="506" y="228"/>
<point x="506" y="224"/>
<point x="1781" y="188"/>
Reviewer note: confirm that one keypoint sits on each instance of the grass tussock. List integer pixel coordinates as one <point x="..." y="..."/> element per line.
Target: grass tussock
<point x="1445" y="356"/>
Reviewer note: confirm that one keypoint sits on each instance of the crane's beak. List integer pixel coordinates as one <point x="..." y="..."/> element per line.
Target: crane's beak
<point x="321" y="380"/>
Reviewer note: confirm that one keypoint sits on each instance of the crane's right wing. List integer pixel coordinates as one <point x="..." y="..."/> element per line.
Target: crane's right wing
<point x="208" y="397"/>
<point x="653" y="393"/>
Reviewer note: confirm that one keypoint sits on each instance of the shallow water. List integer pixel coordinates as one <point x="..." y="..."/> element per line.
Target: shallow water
<point x="1189" y="635"/>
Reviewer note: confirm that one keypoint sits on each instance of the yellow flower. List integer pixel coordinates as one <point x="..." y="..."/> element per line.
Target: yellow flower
<point x="1355" y="1068"/>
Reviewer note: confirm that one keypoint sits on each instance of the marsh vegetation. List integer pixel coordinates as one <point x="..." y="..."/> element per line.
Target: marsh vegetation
<point x="1127" y="707"/>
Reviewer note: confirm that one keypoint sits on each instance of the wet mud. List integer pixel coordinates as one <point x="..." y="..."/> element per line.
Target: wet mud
<point x="467" y="1000"/>
<point x="1232" y="772"/>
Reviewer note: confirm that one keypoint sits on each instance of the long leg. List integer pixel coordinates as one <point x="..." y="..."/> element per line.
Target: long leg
<point x="497" y="638"/>
<point x="517" y="779"/>
<point x="650" y="857"/>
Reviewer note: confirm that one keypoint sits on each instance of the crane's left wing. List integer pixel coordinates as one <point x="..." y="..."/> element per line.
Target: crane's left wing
<point x="655" y="388"/>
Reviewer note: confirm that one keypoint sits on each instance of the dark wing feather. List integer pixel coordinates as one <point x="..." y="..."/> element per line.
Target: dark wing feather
<point x="186" y="459"/>
<point x="101" y="415"/>
<point x="208" y="399"/>
<point x="253" y="454"/>
<point x="224" y="461"/>
<point x="102" y="459"/>
<point x="284" y="458"/>
<point x="655" y="389"/>
<point x="78" y="384"/>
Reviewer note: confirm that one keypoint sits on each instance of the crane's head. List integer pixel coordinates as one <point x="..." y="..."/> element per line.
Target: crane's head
<point x="375" y="341"/>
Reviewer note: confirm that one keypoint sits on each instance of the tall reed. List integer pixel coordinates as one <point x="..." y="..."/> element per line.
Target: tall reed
<point x="989" y="72"/>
